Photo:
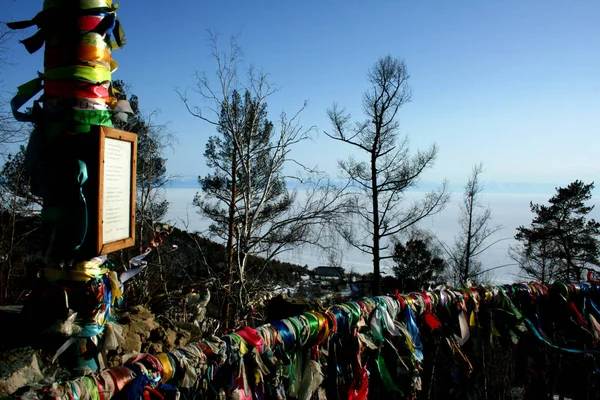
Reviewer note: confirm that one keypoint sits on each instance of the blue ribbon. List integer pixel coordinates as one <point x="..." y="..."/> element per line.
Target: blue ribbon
<point x="532" y="327"/>
<point x="136" y="386"/>
<point x="286" y="335"/>
<point x="342" y="320"/>
<point x="594" y="306"/>
<point x="411" y="324"/>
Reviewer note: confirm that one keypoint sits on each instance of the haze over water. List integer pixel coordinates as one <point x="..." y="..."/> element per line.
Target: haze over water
<point x="509" y="210"/>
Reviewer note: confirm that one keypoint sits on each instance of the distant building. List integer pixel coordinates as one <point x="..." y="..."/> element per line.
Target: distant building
<point x="328" y="273"/>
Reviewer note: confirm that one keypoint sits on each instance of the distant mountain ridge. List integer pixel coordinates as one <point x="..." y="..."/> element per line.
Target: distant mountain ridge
<point x="489" y="187"/>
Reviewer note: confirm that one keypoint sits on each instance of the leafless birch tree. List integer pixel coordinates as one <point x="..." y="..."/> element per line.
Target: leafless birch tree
<point x="11" y="131"/>
<point x="390" y="169"/>
<point x="247" y="196"/>
<point x="476" y="233"/>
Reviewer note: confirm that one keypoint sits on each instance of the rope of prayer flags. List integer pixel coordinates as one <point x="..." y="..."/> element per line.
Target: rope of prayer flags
<point x="355" y="347"/>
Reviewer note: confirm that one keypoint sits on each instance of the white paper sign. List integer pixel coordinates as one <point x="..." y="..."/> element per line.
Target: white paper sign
<point x="116" y="207"/>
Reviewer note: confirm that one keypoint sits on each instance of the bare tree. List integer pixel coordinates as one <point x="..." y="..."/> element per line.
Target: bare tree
<point x="247" y="196"/>
<point x="475" y="232"/>
<point x="16" y="202"/>
<point x="17" y="207"/>
<point x="11" y="131"/>
<point x="382" y="181"/>
<point x="537" y="261"/>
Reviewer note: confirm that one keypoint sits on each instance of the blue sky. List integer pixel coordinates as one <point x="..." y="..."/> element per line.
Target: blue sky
<point x="513" y="84"/>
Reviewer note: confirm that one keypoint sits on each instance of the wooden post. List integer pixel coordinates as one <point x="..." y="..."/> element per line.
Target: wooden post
<point x="71" y="151"/>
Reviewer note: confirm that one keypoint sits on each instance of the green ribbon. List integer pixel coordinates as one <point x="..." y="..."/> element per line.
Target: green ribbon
<point x="385" y="374"/>
<point x="79" y="72"/>
<point x="90" y="117"/>
<point x="355" y="311"/>
<point x="313" y="325"/>
<point x="77" y="121"/>
<point x="354" y="314"/>
<point x="91" y="388"/>
<point x="507" y="302"/>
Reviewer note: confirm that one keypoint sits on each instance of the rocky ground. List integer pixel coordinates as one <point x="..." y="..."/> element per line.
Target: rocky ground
<point x="25" y="364"/>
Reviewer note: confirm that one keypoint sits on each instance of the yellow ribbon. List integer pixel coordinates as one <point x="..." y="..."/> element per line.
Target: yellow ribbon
<point x="243" y="348"/>
<point x="54" y="274"/>
<point x="472" y="320"/>
<point x="166" y="366"/>
<point x="81" y="4"/>
<point x="323" y="325"/>
<point x="83" y="271"/>
<point x="488" y="295"/>
<point x="116" y="286"/>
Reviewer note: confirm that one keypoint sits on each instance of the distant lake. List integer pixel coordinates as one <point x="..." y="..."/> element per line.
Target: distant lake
<point x="508" y="210"/>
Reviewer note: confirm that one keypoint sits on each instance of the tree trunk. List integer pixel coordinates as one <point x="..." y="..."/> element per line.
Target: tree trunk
<point x="376" y="236"/>
<point x="230" y="235"/>
<point x="469" y="236"/>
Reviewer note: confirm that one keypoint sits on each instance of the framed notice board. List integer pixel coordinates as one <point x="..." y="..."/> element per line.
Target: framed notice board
<point x="116" y="189"/>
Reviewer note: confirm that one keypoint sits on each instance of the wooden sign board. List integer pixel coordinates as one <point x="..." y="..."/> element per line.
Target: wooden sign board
<point x="116" y="190"/>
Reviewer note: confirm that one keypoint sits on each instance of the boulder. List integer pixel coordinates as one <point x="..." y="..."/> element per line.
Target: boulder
<point x="138" y="323"/>
<point x="18" y="368"/>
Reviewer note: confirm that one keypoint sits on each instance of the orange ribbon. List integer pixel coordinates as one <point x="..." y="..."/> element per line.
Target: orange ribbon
<point x="59" y="56"/>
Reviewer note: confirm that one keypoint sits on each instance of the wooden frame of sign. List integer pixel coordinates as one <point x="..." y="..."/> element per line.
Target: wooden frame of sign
<point x="116" y="189"/>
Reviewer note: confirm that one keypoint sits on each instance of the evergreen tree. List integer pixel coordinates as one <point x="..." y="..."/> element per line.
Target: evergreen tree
<point x="151" y="173"/>
<point x="561" y="241"/>
<point x="245" y="196"/>
<point x="14" y="186"/>
<point x="418" y="262"/>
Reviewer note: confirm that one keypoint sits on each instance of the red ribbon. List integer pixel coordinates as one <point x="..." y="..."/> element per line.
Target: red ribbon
<point x="148" y="390"/>
<point x="400" y="299"/>
<point x="100" y="387"/>
<point x="359" y="387"/>
<point x="251" y="337"/>
<point x="75" y="89"/>
<point x="431" y="320"/>
<point x="580" y="318"/>
<point x="121" y="376"/>
<point x="590" y="277"/>
<point x="148" y="360"/>
<point x="89" y="22"/>
<point x="157" y="240"/>
<point x="332" y="320"/>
